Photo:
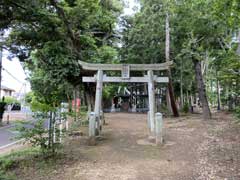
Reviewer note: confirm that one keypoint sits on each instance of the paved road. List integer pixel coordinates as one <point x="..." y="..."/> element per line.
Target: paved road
<point x="7" y="133"/>
<point x="7" y="136"/>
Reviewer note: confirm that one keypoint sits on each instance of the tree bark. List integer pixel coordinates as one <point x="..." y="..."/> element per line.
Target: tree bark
<point x="170" y="85"/>
<point x="201" y="89"/>
<point x="218" y="96"/>
<point x="238" y="48"/>
<point x="168" y="101"/>
<point x="230" y="97"/>
<point x="172" y="97"/>
<point x="181" y="87"/>
<point x="88" y="89"/>
<point x="88" y="102"/>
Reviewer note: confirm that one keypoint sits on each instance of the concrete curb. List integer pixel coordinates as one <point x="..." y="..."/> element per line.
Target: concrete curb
<point x="6" y="127"/>
<point x="11" y="144"/>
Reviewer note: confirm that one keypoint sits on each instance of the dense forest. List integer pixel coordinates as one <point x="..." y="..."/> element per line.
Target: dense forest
<point x="201" y="37"/>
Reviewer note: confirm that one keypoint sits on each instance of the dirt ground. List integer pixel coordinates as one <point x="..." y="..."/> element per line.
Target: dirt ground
<point x="193" y="149"/>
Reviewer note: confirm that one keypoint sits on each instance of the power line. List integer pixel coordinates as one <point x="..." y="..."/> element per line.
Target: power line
<point x="12" y="75"/>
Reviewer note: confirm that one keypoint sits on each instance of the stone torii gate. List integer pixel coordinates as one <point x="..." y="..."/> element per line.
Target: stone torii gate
<point x="154" y="120"/>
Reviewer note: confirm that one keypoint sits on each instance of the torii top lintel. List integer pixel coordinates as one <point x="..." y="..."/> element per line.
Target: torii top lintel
<point x="119" y="67"/>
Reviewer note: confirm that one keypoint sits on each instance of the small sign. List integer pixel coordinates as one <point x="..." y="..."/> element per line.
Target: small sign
<point x="125" y="71"/>
<point x="77" y="105"/>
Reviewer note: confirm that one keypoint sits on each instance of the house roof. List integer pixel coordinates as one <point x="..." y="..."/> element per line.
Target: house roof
<point x="6" y="88"/>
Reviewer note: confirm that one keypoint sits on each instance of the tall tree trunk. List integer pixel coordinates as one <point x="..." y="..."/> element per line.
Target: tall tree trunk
<point x="1" y="57"/>
<point x="230" y="97"/>
<point x="238" y="48"/>
<point x="168" y="101"/>
<point x="170" y="85"/>
<point x="88" y="102"/>
<point x="211" y="88"/>
<point x="218" y="94"/>
<point x="89" y="97"/>
<point x="181" y="86"/>
<point x="191" y="104"/>
<point x="2" y="110"/>
<point x="201" y="89"/>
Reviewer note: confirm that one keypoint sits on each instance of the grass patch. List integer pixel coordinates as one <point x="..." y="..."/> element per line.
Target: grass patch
<point x="11" y="161"/>
<point x="24" y="161"/>
<point x="7" y="161"/>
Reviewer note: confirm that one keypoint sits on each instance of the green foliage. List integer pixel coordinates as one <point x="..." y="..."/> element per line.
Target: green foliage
<point x="28" y="97"/>
<point x="185" y="108"/>
<point x="106" y="54"/>
<point x="10" y="161"/>
<point x="4" y="176"/>
<point x="11" y="100"/>
<point x="6" y="164"/>
<point x="237" y="113"/>
<point x="164" y="110"/>
<point x="207" y="38"/>
<point x="37" y="106"/>
<point x="109" y="91"/>
<point x="54" y="37"/>
<point x="36" y="135"/>
<point x="83" y="109"/>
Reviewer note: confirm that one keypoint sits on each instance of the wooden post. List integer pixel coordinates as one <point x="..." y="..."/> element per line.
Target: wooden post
<point x="8" y="119"/>
<point x="98" y="98"/>
<point x="159" y="128"/>
<point x="151" y="99"/>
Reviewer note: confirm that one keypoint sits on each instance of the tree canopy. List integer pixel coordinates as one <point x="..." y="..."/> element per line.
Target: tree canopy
<point x="50" y="36"/>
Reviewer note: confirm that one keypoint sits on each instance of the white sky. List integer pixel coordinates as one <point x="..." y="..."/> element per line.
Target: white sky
<point x="17" y="77"/>
<point x="15" y="68"/>
<point x="131" y="7"/>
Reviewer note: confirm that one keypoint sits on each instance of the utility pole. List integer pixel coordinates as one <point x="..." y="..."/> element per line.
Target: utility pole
<point x="167" y="56"/>
<point x="1" y="55"/>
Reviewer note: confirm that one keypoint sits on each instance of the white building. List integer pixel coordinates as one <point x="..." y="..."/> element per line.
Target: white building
<point x="6" y="92"/>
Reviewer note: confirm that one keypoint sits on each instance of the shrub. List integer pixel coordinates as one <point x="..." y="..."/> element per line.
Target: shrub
<point x="3" y="176"/>
<point x="11" y="161"/>
<point x="11" y="100"/>
<point x="35" y="133"/>
<point x="185" y="108"/>
<point x="39" y="135"/>
<point x="237" y="113"/>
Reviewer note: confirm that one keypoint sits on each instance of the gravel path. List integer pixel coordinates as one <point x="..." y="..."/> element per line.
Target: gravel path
<point x="193" y="149"/>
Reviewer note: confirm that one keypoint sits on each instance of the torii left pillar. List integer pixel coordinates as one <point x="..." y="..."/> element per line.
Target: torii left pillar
<point x="94" y="120"/>
<point x="98" y="100"/>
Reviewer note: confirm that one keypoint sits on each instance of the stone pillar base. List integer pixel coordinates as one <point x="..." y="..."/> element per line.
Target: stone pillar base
<point x="92" y="141"/>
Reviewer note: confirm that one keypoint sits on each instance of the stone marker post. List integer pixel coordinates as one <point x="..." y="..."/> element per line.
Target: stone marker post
<point x="92" y="128"/>
<point x="159" y="128"/>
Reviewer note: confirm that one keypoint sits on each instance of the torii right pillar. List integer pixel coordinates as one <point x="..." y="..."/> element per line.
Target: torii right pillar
<point x="151" y="99"/>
